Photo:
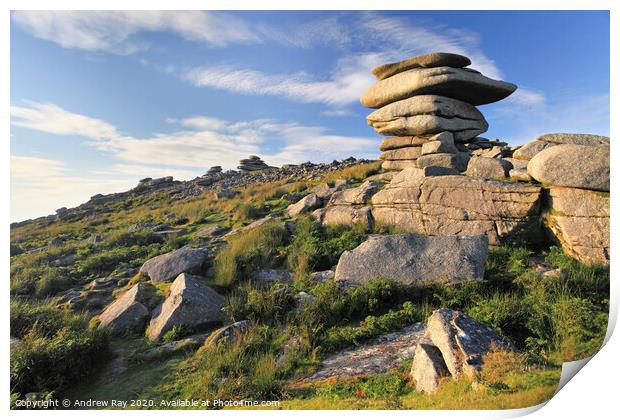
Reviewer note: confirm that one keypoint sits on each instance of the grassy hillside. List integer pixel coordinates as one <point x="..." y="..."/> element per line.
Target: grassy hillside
<point x="551" y="319"/>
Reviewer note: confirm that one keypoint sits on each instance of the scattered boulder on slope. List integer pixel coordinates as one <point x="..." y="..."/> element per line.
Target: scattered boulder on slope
<point x="308" y="203"/>
<point x="229" y="332"/>
<point x="169" y="265"/>
<point x="128" y="312"/>
<point x="413" y="259"/>
<point x="191" y="305"/>
<point x="428" y="367"/>
<point x="570" y="165"/>
<point x="453" y="345"/>
<point x="373" y="357"/>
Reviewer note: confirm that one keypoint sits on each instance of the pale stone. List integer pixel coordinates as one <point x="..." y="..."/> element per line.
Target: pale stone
<point x="569" y="165"/>
<point x="426" y="60"/>
<point x="460" y="205"/>
<point x="414" y="259"/>
<point x="461" y="84"/>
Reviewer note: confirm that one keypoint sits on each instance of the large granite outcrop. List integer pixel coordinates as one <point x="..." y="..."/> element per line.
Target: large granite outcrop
<point x="459" y="205"/>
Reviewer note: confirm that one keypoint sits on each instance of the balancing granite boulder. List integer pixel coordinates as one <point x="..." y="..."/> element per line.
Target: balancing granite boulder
<point x="437" y="59"/>
<point x="463" y="84"/>
<point x="429" y="114"/>
<point x="413" y="259"/>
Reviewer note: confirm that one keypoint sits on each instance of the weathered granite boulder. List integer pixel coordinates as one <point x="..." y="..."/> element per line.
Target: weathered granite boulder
<point x="437" y="59"/>
<point x="463" y="84"/>
<point x="428" y="367"/>
<point x="429" y="114"/>
<point x="413" y="259"/>
<point x="517" y="163"/>
<point x="488" y="168"/>
<point x="352" y="196"/>
<point x="127" y="313"/>
<point x="344" y="215"/>
<point x="463" y="341"/>
<point x="453" y="345"/>
<point x="441" y="143"/>
<point x="398" y="165"/>
<point x="457" y="161"/>
<point x="191" y="304"/>
<point x="529" y="150"/>
<point x="459" y="205"/>
<point x="390" y="143"/>
<point x="519" y="175"/>
<point x="324" y="191"/>
<point x="569" y="165"/>
<point x="308" y="203"/>
<point x="229" y="333"/>
<point x="404" y="153"/>
<point x="211" y="231"/>
<point x="373" y="357"/>
<point x="579" y="219"/>
<point x="169" y="265"/>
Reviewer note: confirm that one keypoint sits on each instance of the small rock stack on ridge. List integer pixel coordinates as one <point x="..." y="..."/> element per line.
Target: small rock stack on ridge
<point x="252" y="163"/>
<point x="213" y="170"/>
<point x="428" y="104"/>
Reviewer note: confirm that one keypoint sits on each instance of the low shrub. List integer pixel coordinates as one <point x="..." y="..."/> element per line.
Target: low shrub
<point x="40" y="281"/>
<point x="337" y="338"/>
<point x="267" y="306"/>
<point x="248" y="251"/>
<point x="41" y="363"/>
<point x="318" y="247"/>
<point x="49" y="319"/>
<point x="243" y="368"/>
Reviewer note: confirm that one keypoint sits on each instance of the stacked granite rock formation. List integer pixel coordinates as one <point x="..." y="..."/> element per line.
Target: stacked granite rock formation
<point x="213" y="170"/>
<point x="252" y="163"/>
<point x="428" y="103"/>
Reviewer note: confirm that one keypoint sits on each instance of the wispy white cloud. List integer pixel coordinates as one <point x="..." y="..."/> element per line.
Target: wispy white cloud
<point x="52" y="119"/>
<point x="527" y="98"/>
<point x="200" y="122"/>
<point x="374" y="39"/>
<point x="342" y="88"/>
<point x="201" y="141"/>
<point x="115" y="31"/>
<point x="329" y="32"/>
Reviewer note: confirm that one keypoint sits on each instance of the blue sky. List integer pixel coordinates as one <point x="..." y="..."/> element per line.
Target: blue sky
<point x="102" y="99"/>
